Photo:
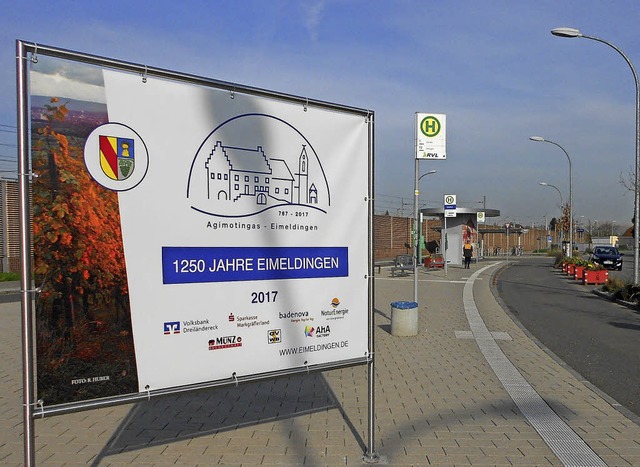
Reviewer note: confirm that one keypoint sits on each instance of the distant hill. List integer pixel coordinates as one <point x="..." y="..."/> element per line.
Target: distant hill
<point x="72" y="105"/>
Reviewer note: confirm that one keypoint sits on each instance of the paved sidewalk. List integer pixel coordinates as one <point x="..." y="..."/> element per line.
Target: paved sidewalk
<point x="441" y="399"/>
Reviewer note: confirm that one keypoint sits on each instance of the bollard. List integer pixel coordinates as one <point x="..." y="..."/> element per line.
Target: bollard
<point x="404" y="319"/>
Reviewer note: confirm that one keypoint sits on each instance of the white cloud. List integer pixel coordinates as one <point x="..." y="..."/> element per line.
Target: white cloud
<point x="61" y="86"/>
<point x="314" y="13"/>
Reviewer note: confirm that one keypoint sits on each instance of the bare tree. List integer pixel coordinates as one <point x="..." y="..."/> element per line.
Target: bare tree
<point x="628" y="180"/>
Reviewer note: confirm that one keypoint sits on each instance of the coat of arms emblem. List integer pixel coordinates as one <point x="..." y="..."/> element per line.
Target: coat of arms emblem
<point x="117" y="157"/>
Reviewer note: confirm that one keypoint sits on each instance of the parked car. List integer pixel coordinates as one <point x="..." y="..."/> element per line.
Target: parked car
<point x="607" y="256"/>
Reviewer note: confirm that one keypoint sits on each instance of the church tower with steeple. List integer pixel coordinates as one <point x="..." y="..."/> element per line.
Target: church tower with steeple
<point x="303" y="177"/>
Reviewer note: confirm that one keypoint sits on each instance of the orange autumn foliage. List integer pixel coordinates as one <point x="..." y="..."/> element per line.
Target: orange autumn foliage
<point x="76" y="222"/>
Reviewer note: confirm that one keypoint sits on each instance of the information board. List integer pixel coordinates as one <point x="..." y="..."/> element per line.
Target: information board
<point x="234" y="227"/>
<point x="431" y="136"/>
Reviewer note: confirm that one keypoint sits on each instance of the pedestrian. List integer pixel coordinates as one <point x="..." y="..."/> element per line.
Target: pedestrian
<point x="467" y="253"/>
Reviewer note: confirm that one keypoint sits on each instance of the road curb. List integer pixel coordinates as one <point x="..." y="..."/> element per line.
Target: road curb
<point x="513" y="316"/>
<point x="609" y="296"/>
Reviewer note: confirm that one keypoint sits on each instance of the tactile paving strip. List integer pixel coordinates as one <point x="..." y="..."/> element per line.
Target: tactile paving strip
<point x="561" y="439"/>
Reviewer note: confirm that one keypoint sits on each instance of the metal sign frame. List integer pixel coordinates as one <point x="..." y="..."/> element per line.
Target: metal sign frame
<point x="33" y="408"/>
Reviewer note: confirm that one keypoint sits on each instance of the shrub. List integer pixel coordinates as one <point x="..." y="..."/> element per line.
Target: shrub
<point x="614" y="284"/>
<point x="559" y="258"/>
<point x="622" y="290"/>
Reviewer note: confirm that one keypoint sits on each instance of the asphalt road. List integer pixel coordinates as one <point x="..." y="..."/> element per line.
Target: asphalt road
<point x="597" y="338"/>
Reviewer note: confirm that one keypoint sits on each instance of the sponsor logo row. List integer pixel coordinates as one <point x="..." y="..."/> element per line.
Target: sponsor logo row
<point x="274" y="336"/>
<point x="249" y="321"/>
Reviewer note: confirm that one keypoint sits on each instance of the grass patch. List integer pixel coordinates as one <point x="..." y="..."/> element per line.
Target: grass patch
<point x="9" y="276"/>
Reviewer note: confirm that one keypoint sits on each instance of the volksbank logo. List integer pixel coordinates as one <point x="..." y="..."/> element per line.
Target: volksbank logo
<point x="191" y="325"/>
<point x="172" y="327"/>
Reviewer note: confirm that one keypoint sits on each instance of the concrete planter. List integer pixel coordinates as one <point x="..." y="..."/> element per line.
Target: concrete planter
<point x="404" y="319"/>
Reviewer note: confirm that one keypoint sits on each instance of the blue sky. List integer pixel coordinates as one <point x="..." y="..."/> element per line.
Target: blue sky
<point x="492" y="66"/>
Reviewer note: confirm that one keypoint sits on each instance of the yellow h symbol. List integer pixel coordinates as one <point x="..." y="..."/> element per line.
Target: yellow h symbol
<point x="430" y="126"/>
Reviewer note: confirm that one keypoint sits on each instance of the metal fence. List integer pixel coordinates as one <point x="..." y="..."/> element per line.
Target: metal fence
<point x="9" y="226"/>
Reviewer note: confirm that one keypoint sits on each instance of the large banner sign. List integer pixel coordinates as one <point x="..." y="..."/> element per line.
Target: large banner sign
<point x="185" y="234"/>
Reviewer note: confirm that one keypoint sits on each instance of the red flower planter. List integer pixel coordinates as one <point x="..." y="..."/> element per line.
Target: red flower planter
<point x="571" y="269"/>
<point x="579" y="272"/>
<point x="595" y="277"/>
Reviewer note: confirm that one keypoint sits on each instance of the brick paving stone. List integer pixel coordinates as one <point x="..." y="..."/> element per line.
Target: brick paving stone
<point x="438" y="402"/>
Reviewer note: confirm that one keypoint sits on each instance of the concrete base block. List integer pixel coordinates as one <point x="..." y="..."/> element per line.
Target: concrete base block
<point x="404" y="319"/>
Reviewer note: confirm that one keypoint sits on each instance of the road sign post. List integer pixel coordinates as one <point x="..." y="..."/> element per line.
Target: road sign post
<point x="450" y="203"/>
<point x="430" y="143"/>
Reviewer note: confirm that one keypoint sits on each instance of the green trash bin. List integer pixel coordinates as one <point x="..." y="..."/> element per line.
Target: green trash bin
<point x="404" y="318"/>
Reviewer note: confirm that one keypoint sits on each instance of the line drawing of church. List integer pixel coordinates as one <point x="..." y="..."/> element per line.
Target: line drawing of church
<point x="237" y="174"/>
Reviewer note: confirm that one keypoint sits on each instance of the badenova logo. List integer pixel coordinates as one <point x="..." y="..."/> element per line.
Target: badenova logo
<point x="430" y="126"/>
<point x="116" y="157"/>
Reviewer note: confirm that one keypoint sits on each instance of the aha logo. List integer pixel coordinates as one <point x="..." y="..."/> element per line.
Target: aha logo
<point x="172" y="327"/>
<point x="318" y="331"/>
<point x="274" y="336"/>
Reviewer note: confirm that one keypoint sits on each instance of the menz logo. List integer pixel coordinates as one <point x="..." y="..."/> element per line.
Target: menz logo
<point x="225" y="342"/>
<point x="172" y="327"/>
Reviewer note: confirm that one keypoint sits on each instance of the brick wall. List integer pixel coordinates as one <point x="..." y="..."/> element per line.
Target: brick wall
<point x="392" y="234"/>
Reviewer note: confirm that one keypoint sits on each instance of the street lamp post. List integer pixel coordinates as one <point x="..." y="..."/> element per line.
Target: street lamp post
<point x="416" y="244"/>
<point x="571" y="32"/>
<point x="540" y="139"/>
<point x="561" y="204"/>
